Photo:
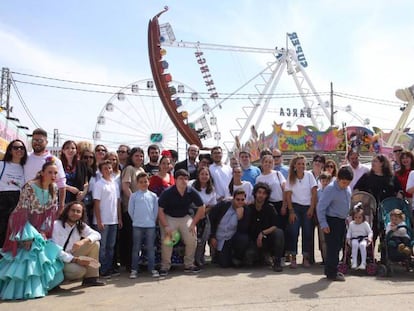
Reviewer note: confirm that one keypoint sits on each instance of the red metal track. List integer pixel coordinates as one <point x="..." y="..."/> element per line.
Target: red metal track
<point x="154" y="50"/>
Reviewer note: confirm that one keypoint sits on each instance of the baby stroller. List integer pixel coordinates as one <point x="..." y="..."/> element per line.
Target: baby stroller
<point x="368" y="203"/>
<point x="388" y="247"/>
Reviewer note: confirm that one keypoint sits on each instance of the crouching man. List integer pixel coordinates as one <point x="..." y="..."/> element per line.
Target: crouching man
<point x="80" y="245"/>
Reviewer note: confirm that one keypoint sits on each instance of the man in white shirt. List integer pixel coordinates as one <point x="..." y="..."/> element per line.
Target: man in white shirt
<point x="80" y="245"/>
<point x="358" y="169"/>
<point x="220" y="173"/>
<point x="38" y="157"/>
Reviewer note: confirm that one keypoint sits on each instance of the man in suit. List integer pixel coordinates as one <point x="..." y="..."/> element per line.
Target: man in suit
<point x="189" y="164"/>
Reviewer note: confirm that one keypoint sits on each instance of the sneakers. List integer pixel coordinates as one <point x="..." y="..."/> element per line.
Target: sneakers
<point x="155" y="274"/>
<point x="192" y="269"/>
<point x="133" y="275"/>
<point x="402" y="248"/>
<point x="92" y="282"/>
<point x="339" y="277"/>
<point x="115" y="272"/>
<point x="106" y="275"/>
<point x="362" y="266"/>
<point x="354" y="265"/>
<point x="163" y="272"/>
<point x="277" y="265"/>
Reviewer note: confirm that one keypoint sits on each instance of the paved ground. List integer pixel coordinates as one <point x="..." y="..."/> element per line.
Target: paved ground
<point x="231" y="289"/>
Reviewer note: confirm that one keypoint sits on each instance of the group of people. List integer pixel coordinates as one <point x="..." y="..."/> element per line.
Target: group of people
<point x="78" y="215"/>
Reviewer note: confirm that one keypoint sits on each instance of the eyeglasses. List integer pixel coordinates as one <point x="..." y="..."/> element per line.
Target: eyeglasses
<point x="121" y="151"/>
<point x="38" y="140"/>
<point x="100" y="150"/>
<point x="317" y="161"/>
<point x="397" y="150"/>
<point x="88" y="157"/>
<point x="17" y="147"/>
<point x="238" y="199"/>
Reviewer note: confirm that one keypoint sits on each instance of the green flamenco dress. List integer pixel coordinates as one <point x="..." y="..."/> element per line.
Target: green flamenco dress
<point x="26" y="274"/>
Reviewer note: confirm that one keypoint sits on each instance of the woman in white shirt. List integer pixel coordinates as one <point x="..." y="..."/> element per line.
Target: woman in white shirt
<point x="237" y="183"/>
<point x="203" y="184"/>
<point x="301" y="197"/>
<point x="11" y="182"/>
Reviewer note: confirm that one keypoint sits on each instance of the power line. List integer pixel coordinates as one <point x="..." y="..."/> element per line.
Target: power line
<point x="26" y="109"/>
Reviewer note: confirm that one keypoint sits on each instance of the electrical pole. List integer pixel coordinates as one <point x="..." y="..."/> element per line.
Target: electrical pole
<point x="332" y="107"/>
<point x="5" y="90"/>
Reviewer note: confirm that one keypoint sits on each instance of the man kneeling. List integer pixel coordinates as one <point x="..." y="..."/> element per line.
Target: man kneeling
<point x="80" y="245"/>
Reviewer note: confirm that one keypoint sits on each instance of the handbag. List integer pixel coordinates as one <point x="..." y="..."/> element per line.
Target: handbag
<point x="88" y="199"/>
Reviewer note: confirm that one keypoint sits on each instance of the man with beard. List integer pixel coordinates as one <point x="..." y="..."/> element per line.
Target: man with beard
<point x="38" y="157"/>
<point x="266" y="237"/>
<point x="153" y="154"/>
<point x="189" y="164"/>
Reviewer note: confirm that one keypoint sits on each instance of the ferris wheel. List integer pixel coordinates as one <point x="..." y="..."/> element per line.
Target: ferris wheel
<point x="135" y="116"/>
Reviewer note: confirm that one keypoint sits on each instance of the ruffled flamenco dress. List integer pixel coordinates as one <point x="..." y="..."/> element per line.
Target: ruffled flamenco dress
<point x="26" y="274"/>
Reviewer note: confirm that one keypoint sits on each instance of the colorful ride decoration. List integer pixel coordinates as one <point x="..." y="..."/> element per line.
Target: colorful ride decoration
<point x="309" y="139"/>
<point x="162" y="80"/>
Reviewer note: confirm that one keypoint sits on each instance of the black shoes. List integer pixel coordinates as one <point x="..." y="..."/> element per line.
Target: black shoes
<point x="93" y="282"/>
<point x="339" y="277"/>
<point x="277" y="265"/>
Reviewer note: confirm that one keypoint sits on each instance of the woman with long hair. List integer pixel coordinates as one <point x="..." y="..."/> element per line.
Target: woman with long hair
<point x="134" y="167"/>
<point x="381" y="183"/>
<point x="11" y="181"/>
<point x="236" y="183"/>
<point x="331" y="168"/>
<point x="301" y="197"/>
<point x="75" y="171"/>
<point x="30" y="266"/>
<point x="203" y="184"/>
<point x="406" y="166"/>
<point x="163" y="178"/>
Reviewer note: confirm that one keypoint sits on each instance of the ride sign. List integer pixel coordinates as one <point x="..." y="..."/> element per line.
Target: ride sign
<point x="299" y="51"/>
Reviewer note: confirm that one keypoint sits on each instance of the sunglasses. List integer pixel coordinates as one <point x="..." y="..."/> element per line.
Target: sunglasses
<point x="329" y="166"/>
<point x="319" y="161"/>
<point x="17" y="147"/>
<point x="100" y="150"/>
<point x="398" y="150"/>
<point x="121" y="151"/>
<point x="88" y="157"/>
<point x="276" y="157"/>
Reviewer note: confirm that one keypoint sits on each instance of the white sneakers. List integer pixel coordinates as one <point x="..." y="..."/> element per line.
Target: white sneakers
<point x="362" y="266"/>
<point x="133" y="275"/>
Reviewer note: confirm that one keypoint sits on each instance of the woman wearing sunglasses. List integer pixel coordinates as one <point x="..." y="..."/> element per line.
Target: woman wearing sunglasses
<point x="11" y="181"/>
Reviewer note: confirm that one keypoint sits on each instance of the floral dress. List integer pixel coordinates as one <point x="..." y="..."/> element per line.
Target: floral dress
<point x="31" y="273"/>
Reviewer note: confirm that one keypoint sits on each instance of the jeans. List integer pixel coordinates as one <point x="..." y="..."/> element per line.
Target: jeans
<point x="235" y="248"/>
<point x="106" y="252"/>
<point x="304" y="222"/>
<point x="334" y="242"/>
<point x="138" y="235"/>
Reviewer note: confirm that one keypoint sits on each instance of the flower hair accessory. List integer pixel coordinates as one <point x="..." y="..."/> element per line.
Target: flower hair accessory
<point x="166" y="153"/>
<point x="50" y="159"/>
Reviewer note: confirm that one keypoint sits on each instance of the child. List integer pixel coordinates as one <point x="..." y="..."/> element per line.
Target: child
<point x="399" y="232"/>
<point x="107" y="216"/>
<point x="324" y="178"/>
<point x="143" y="209"/>
<point x="332" y="209"/>
<point x="359" y="235"/>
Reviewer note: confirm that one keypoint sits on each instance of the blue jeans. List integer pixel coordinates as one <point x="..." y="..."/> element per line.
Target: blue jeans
<point x="138" y="234"/>
<point x="106" y="251"/>
<point x="304" y="222"/>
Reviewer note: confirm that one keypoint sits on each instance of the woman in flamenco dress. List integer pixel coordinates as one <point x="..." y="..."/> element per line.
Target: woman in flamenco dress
<point x="30" y="266"/>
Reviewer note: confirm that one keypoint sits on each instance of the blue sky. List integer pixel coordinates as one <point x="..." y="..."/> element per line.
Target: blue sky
<point x="364" y="47"/>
